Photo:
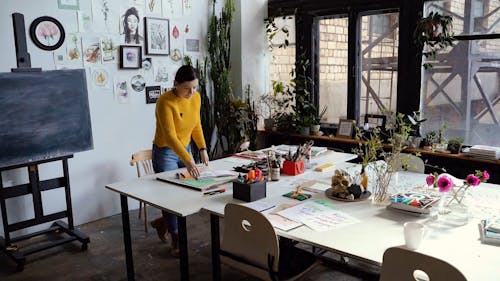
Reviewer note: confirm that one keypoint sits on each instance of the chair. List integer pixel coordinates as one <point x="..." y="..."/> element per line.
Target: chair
<point x="144" y="166"/>
<point x="402" y="264"/>
<point x="409" y="162"/>
<point x="250" y="244"/>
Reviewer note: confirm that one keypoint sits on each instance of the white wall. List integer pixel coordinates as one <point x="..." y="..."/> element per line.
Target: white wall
<point x="118" y="129"/>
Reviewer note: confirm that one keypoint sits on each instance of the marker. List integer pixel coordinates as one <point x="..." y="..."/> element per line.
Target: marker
<point x="214" y="192"/>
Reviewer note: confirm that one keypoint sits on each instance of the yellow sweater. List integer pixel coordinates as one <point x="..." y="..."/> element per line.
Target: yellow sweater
<point x="177" y="120"/>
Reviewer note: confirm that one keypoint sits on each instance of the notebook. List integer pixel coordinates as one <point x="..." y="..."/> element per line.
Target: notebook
<point x="196" y="184"/>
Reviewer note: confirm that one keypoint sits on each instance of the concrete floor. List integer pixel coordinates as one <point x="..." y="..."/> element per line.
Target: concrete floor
<point x="105" y="258"/>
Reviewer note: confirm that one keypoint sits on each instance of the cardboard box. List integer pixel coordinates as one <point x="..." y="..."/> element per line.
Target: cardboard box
<point x="293" y="168"/>
<point x="249" y="192"/>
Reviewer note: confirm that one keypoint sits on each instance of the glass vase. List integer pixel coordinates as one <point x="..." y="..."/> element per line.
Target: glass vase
<point x="380" y="190"/>
<point x="456" y="205"/>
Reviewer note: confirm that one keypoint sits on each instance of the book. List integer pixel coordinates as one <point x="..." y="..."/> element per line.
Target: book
<point x="206" y="174"/>
<point x="202" y="184"/>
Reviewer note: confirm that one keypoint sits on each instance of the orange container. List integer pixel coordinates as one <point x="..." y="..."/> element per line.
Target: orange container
<point x="293" y="168"/>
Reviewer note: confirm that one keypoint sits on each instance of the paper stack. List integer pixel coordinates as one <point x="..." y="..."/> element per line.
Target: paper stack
<point x="484" y="152"/>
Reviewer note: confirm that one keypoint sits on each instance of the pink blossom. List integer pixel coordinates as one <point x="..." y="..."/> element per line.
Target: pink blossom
<point x="485" y="176"/>
<point x="430" y="179"/>
<point x="472" y="180"/>
<point x="445" y="183"/>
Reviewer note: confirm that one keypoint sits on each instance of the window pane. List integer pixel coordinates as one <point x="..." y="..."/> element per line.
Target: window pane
<point x="463" y="90"/>
<point x="379" y="60"/>
<point x="282" y="58"/>
<point x="333" y="68"/>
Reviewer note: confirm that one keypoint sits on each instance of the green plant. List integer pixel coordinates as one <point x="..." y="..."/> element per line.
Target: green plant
<point x="433" y="33"/>
<point x="319" y="116"/>
<point x="243" y="121"/>
<point x="431" y="138"/>
<point x="272" y="30"/>
<point x="456" y="140"/>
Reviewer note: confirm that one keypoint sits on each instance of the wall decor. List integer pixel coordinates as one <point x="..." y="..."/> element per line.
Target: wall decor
<point x="157" y="36"/>
<point x="68" y="4"/>
<point x="47" y="33"/>
<point x="152" y="93"/>
<point x="137" y="83"/>
<point x="346" y="128"/>
<point x="130" y="57"/>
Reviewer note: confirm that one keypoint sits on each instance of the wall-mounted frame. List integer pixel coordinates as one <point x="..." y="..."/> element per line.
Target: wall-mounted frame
<point x="130" y="57"/>
<point x="47" y="33"/>
<point x="375" y="120"/>
<point x="152" y="94"/>
<point x="346" y="128"/>
<point x="156" y="32"/>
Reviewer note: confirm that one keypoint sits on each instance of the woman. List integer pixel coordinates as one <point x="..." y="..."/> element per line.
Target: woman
<point x="177" y="121"/>
<point x="131" y="26"/>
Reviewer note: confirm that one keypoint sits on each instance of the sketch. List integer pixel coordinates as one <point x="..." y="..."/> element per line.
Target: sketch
<point x="91" y="50"/>
<point x="73" y="51"/>
<point x="47" y="33"/>
<point x="187" y="6"/>
<point x="121" y="92"/>
<point x="105" y="17"/>
<point x="130" y="26"/>
<point x="147" y="64"/>
<point x="84" y="21"/>
<point x="109" y="49"/>
<point x="152" y="94"/>
<point x="192" y="45"/>
<point x="100" y="78"/>
<point x="176" y="55"/>
<point x="157" y="40"/>
<point x="161" y="72"/>
<point x="68" y="4"/>
<point x="137" y="83"/>
<point x="153" y="7"/>
<point x="172" y="8"/>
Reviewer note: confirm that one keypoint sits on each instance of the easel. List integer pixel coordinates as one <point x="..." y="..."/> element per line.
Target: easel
<point x="35" y="188"/>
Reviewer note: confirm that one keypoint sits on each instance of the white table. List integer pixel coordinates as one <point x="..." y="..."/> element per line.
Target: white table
<point x="381" y="228"/>
<point x="183" y="202"/>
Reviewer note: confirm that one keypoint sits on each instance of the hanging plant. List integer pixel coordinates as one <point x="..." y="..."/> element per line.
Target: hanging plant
<point x="432" y="34"/>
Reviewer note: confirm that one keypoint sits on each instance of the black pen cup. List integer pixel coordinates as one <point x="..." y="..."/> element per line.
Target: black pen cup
<point x="249" y="192"/>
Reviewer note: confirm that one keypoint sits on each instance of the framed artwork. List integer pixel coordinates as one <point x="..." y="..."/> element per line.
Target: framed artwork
<point x="375" y="120"/>
<point x="346" y="128"/>
<point x="157" y="36"/>
<point x="47" y="33"/>
<point x="68" y="4"/>
<point x="152" y="93"/>
<point x="130" y="57"/>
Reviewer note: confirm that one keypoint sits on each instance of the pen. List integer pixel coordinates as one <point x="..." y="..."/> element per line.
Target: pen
<point x="214" y="192"/>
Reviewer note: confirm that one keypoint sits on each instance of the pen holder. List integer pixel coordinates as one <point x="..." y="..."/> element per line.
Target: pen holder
<point x="249" y="191"/>
<point x="293" y="168"/>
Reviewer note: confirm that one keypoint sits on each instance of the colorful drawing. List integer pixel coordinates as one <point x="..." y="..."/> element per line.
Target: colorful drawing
<point x="153" y="7"/>
<point x="121" y="93"/>
<point x="109" y="49"/>
<point x="176" y="55"/>
<point x="73" y="48"/>
<point x="137" y="83"/>
<point x="91" y="50"/>
<point x="47" y="33"/>
<point x="100" y="78"/>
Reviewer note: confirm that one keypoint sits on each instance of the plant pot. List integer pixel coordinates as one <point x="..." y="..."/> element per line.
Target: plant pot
<point x="304" y="130"/>
<point x="454" y="148"/>
<point x="268" y="124"/>
<point x="315" y="130"/>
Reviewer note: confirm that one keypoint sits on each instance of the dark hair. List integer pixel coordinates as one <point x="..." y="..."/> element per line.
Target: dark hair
<point x="131" y="11"/>
<point x="186" y="73"/>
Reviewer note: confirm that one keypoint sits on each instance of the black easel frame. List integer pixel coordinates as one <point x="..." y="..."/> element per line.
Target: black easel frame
<point x="35" y="188"/>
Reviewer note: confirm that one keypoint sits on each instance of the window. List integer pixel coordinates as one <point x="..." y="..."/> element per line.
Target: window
<point x="462" y="88"/>
<point x="282" y="57"/>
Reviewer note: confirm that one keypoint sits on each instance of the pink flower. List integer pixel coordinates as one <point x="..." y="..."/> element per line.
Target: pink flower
<point x="445" y="183"/>
<point x="472" y="180"/>
<point x="485" y="175"/>
<point x="430" y="179"/>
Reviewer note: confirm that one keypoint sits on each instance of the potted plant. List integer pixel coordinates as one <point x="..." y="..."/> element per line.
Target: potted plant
<point x="317" y="120"/>
<point x="432" y="34"/>
<point x="430" y="140"/>
<point x="455" y="145"/>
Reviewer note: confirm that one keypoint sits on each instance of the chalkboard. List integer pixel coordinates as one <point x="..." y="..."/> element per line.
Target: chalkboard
<point x="43" y="115"/>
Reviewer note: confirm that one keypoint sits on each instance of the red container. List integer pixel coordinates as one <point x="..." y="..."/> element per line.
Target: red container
<point x="293" y="168"/>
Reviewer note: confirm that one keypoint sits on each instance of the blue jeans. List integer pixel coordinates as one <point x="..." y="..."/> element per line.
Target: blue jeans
<point x="165" y="159"/>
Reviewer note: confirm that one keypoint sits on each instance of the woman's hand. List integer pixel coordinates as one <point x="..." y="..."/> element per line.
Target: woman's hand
<point x="204" y="156"/>
<point x="192" y="169"/>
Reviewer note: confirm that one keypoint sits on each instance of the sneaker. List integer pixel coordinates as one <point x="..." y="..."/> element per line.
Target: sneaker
<point x="161" y="230"/>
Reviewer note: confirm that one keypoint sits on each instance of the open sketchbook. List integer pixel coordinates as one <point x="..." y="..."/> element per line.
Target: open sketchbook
<point x="208" y="179"/>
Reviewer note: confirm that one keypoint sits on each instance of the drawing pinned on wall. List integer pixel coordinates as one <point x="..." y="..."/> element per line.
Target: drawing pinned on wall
<point x="73" y="51"/>
<point x="147" y="70"/>
<point x="91" y="50"/>
<point x="59" y="59"/>
<point x="172" y="8"/>
<point x="84" y="21"/>
<point x="137" y="83"/>
<point x="186" y="29"/>
<point x="176" y="55"/>
<point x="152" y="93"/>
<point x="161" y="72"/>
<point x="153" y="8"/>
<point x="175" y="32"/>
<point x="121" y="92"/>
<point x="187" y="7"/>
<point x="192" y="45"/>
<point x="136" y="2"/>
<point x="100" y="78"/>
<point x="157" y="40"/>
<point x="68" y="4"/>
<point x="131" y="25"/>
<point x="109" y="49"/>
<point x="105" y="16"/>
<point x="147" y="64"/>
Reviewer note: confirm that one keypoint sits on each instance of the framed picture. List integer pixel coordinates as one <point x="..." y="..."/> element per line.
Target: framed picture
<point x="130" y="57"/>
<point x="157" y="36"/>
<point x="68" y="4"/>
<point x="47" y="33"/>
<point x="152" y="93"/>
<point x="346" y="128"/>
<point x="375" y="120"/>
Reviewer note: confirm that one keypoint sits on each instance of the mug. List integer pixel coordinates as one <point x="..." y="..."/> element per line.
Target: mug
<point x="414" y="233"/>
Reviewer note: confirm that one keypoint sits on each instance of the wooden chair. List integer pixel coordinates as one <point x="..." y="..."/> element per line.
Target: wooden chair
<point x="144" y="166"/>
<point x="250" y="244"/>
<point x="402" y="265"/>
<point x="409" y="162"/>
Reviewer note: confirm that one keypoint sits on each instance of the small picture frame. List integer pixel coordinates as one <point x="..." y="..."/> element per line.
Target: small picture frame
<point x="346" y="128"/>
<point x="130" y="57"/>
<point x="375" y="120"/>
<point x="152" y="93"/>
<point x="47" y="33"/>
<point x="156" y="32"/>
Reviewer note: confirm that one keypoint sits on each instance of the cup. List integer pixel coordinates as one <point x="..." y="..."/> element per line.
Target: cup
<point x="414" y="233"/>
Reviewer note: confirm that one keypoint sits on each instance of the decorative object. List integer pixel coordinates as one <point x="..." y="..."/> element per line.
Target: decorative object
<point x="130" y="57"/>
<point x="375" y="120"/>
<point x="432" y="34"/>
<point x="47" y="33"/>
<point x="455" y="199"/>
<point x="455" y="145"/>
<point x="68" y="4"/>
<point x="345" y="188"/>
<point x="152" y="93"/>
<point x="346" y="128"/>
<point x="137" y="82"/>
<point x="157" y="36"/>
